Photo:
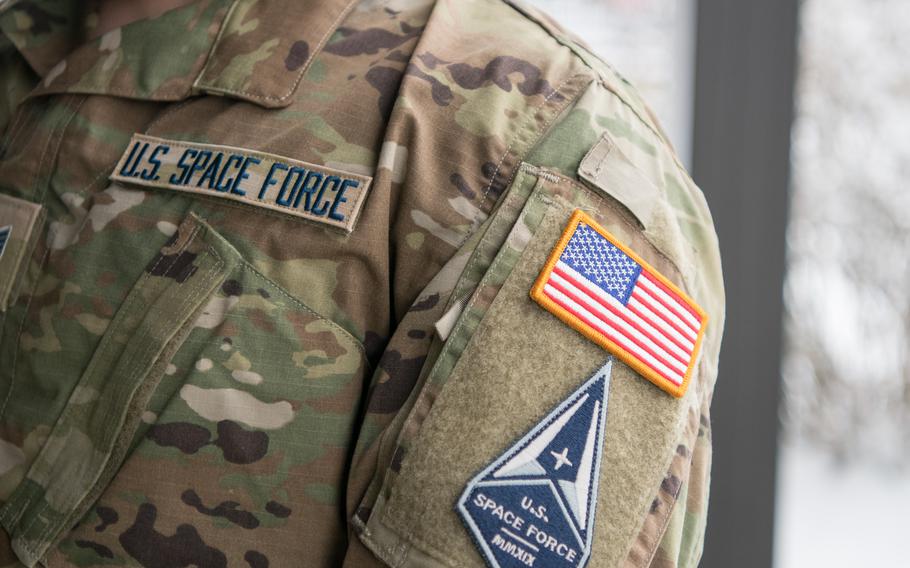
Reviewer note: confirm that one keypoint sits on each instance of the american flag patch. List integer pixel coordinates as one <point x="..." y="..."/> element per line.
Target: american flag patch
<point x="610" y="295"/>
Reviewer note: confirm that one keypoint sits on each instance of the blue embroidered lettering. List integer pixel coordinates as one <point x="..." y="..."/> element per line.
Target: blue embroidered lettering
<point x="154" y="159"/>
<point x="308" y="189"/>
<point x="242" y="174"/>
<point x="129" y="165"/>
<point x="270" y="179"/>
<point x="295" y="174"/>
<point x="233" y="161"/>
<point x="183" y="167"/>
<point x="262" y="180"/>
<point x="322" y="208"/>
<point x="199" y="164"/>
<point x="537" y="500"/>
<point x="340" y="198"/>
<point x="210" y="172"/>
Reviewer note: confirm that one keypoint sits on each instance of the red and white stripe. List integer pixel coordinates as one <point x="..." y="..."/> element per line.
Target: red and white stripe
<point x="655" y="326"/>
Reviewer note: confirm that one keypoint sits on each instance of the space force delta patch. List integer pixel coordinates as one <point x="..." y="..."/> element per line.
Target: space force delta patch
<point x="606" y="292"/>
<point x="267" y="181"/>
<point x="534" y="506"/>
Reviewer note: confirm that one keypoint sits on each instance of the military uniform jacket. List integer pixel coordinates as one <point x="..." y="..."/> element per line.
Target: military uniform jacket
<point x="267" y="290"/>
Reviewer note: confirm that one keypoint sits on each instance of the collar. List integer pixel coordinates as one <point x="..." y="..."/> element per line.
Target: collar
<point x="254" y="50"/>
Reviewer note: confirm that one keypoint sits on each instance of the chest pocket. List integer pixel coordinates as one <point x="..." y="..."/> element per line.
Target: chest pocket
<point x="505" y="365"/>
<point x="213" y="407"/>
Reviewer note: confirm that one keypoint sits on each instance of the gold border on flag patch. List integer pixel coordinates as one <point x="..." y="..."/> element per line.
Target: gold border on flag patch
<point x="609" y="294"/>
<point x="324" y="195"/>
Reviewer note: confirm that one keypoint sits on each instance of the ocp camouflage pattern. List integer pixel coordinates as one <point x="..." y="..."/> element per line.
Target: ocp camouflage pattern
<point x="190" y="381"/>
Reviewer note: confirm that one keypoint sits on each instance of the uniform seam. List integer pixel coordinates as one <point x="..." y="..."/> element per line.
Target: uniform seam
<point x="386" y="519"/>
<point x="536" y="135"/>
<point x="262" y="97"/>
<point x="168" y="95"/>
<point x="280" y="289"/>
<point x="32" y="550"/>
<point x="641" y="120"/>
<point x="540" y="172"/>
<point x="604" y="139"/>
<point x="192" y="299"/>
<point x="215" y="44"/>
<point x="250" y="206"/>
<point x="572" y="46"/>
<point x="108" y="170"/>
<point x="666" y="523"/>
<point x="47" y="252"/>
<point x="14" y="128"/>
<point x="611" y="204"/>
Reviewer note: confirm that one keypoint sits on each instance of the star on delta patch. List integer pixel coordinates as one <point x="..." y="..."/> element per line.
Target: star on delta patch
<point x="606" y="292"/>
<point x="534" y="505"/>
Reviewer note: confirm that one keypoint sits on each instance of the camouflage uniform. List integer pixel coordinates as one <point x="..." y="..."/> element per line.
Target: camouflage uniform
<point x="189" y="380"/>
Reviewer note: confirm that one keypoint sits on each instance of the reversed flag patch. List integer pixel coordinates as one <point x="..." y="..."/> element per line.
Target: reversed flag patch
<point x="534" y="506"/>
<point x="603" y="290"/>
<point x="266" y="181"/>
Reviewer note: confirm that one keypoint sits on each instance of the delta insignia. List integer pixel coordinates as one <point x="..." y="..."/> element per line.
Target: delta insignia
<point x="534" y="506"/>
<point x="610" y="295"/>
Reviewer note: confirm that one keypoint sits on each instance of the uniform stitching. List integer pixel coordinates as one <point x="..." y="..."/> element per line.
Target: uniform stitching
<point x="537" y="133"/>
<point x="257" y="153"/>
<point x="604" y="139"/>
<point x="693" y="439"/>
<point x="214" y="47"/>
<point x="300" y="74"/>
<point x="353" y="214"/>
<point x="540" y="172"/>
<point x="306" y="308"/>
<point x="447" y="347"/>
<point x="663" y="528"/>
<point x="600" y="165"/>
<point x="600" y="199"/>
<point x="146" y="349"/>
<point x="104" y="342"/>
<point x="13" y="131"/>
<point x="574" y="47"/>
<point x="40" y="200"/>
<point x="474" y="260"/>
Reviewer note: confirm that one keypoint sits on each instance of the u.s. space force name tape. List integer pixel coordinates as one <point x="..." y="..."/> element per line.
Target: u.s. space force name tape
<point x="313" y="192"/>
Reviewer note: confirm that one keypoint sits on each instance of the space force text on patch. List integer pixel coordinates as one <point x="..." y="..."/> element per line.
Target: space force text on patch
<point x="535" y="504"/>
<point x="309" y="191"/>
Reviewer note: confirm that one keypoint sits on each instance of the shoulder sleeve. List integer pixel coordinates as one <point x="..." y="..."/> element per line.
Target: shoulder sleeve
<point x="610" y="142"/>
<point x="526" y="435"/>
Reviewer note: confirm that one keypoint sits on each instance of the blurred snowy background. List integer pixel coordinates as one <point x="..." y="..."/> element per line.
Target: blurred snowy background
<point x="651" y="42"/>
<point x="844" y="460"/>
<point x="845" y="451"/>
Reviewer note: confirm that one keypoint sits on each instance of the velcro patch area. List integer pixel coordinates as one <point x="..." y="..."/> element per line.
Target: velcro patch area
<point x="276" y="183"/>
<point x="603" y="290"/>
<point x="535" y="505"/>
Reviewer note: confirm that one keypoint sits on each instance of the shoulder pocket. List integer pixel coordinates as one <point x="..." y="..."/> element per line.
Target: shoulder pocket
<point x="515" y="363"/>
